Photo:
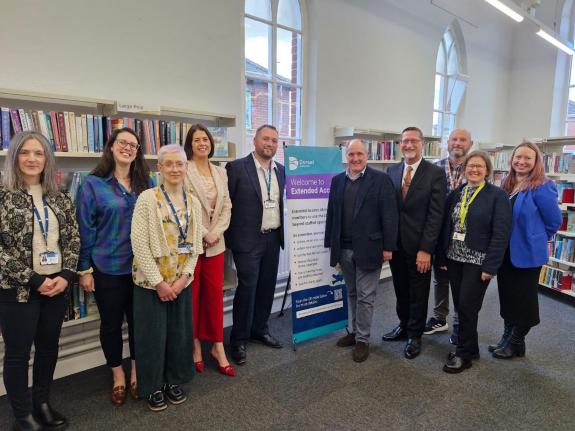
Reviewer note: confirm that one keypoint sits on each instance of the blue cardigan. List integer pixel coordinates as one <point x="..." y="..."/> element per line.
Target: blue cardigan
<point x="536" y="218"/>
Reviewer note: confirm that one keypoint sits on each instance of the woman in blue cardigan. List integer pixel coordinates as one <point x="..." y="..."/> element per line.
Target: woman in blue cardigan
<point x="536" y="218"/>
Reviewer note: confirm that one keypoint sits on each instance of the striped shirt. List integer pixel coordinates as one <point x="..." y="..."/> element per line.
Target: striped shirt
<point x="454" y="176"/>
<point x="104" y="211"/>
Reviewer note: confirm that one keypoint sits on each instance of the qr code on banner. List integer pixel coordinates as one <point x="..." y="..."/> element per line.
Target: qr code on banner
<point x="337" y="294"/>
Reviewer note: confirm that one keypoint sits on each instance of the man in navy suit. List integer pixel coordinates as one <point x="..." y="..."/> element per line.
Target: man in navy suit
<point x="255" y="235"/>
<point x="420" y="189"/>
<point x="361" y="230"/>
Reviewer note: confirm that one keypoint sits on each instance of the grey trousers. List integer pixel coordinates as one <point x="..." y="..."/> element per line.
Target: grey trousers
<point x="441" y="293"/>
<point x="361" y="289"/>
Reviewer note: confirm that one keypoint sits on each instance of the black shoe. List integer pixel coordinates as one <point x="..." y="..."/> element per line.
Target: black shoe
<point x="507" y="327"/>
<point x="434" y="325"/>
<point x="346" y="341"/>
<point x="452" y="355"/>
<point x="239" y="354"/>
<point x="49" y="417"/>
<point x="360" y="351"/>
<point x="157" y="402"/>
<point x="454" y="337"/>
<point x="27" y="423"/>
<point x="412" y="348"/>
<point x="457" y="364"/>
<point x="511" y="349"/>
<point x="268" y="340"/>
<point x="175" y="394"/>
<point x="396" y="334"/>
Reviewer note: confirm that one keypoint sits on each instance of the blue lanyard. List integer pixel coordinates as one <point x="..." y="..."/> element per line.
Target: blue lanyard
<point x="183" y="233"/>
<point x="43" y="229"/>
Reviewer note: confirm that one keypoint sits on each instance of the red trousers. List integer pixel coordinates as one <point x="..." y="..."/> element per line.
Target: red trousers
<point x="208" y="298"/>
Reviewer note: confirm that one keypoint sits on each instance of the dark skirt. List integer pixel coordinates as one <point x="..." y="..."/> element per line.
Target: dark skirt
<point x="518" y="293"/>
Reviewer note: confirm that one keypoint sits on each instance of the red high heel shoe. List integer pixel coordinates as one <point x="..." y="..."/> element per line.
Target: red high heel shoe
<point x="228" y="370"/>
<point x="200" y="366"/>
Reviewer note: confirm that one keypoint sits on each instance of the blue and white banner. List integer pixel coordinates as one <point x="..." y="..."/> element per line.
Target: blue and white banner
<point x="319" y="299"/>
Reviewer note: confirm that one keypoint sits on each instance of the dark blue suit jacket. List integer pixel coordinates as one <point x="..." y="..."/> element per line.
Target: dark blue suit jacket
<point x="244" y="231"/>
<point x="488" y="226"/>
<point x="536" y="218"/>
<point x="374" y="219"/>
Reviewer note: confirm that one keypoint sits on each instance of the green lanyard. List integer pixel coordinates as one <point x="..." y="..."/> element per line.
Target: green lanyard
<point x="465" y="205"/>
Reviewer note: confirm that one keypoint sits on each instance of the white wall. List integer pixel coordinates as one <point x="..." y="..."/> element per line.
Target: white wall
<point x="179" y="53"/>
<point x="376" y="63"/>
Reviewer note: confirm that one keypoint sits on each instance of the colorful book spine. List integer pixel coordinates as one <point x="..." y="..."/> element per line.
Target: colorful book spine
<point x="55" y="133"/>
<point x="62" y="130"/>
<point x="90" y="128"/>
<point x="16" y="124"/>
<point x="5" y="128"/>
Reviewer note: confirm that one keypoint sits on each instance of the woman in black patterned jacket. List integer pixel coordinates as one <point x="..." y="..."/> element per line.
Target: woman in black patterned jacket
<point x="39" y="246"/>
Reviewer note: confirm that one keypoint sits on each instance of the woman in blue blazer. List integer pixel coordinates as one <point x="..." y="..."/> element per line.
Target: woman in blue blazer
<point x="536" y="218"/>
<point x="475" y="234"/>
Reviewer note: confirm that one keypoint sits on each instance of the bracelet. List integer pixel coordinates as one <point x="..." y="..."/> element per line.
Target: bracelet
<point x="85" y="272"/>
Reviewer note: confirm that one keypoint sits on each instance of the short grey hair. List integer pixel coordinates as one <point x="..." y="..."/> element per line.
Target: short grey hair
<point x="171" y="148"/>
<point x="353" y="141"/>
<point x="12" y="176"/>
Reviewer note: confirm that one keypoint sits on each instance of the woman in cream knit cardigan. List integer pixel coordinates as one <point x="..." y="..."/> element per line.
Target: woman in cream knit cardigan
<point x="166" y="240"/>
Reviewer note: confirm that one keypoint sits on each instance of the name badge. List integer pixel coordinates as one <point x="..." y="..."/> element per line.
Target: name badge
<point x="49" y="258"/>
<point x="185" y="248"/>
<point x="458" y="236"/>
<point x="269" y="204"/>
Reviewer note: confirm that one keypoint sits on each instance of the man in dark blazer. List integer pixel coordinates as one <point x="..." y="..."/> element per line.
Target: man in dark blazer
<point x="361" y="230"/>
<point x="255" y="235"/>
<point x="420" y="189"/>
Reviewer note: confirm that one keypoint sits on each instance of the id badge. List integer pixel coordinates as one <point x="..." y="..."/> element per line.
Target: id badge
<point x="185" y="248"/>
<point x="269" y="204"/>
<point x="49" y="258"/>
<point x="457" y="236"/>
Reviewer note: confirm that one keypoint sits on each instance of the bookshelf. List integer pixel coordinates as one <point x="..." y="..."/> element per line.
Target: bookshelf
<point x="79" y="346"/>
<point x="383" y="145"/>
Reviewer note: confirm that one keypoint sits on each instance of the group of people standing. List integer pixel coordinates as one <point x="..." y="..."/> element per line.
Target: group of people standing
<point x="449" y="217"/>
<point x="153" y="255"/>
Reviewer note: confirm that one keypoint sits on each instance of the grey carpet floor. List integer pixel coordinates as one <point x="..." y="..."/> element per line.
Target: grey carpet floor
<point x="319" y="387"/>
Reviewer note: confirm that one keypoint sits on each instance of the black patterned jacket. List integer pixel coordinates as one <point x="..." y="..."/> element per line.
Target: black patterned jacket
<point x="16" y="233"/>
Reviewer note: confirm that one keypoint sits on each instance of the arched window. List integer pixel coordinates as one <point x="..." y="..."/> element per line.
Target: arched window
<point x="273" y="67"/>
<point x="450" y="81"/>
<point x="567" y="29"/>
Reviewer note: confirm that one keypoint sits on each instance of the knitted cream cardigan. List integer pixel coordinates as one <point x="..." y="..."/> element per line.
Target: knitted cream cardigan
<point x="149" y="241"/>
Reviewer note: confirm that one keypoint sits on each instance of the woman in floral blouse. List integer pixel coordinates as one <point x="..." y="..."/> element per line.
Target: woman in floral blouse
<point x="166" y="241"/>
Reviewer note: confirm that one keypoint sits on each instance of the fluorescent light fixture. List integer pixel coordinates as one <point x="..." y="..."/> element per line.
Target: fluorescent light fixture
<point x="552" y="40"/>
<point x="506" y="10"/>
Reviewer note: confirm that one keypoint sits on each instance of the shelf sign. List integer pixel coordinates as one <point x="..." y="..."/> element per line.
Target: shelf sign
<point x="136" y="107"/>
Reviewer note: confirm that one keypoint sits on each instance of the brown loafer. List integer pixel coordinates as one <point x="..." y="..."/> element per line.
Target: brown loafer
<point x="119" y="395"/>
<point x="134" y="390"/>
<point x="360" y="351"/>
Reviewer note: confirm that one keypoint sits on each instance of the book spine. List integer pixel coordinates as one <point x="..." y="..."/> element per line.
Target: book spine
<point x="100" y="122"/>
<point x="16" y="124"/>
<point x="5" y="128"/>
<point x="23" y="120"/>
<point x="157" y="135"/>
<point x="63" y="132"/>
<point x="73" y="137"/>
<point x="79" y="134"/>
<point x="96" y="135"/>
<point x="90" y="124"/>
<point x="55" y="131"/>
<point x="84" y="134"/>
<point x="49" y="134"/>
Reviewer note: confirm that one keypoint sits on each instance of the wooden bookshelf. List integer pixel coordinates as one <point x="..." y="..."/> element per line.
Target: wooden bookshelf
<point x="564" y="291"/>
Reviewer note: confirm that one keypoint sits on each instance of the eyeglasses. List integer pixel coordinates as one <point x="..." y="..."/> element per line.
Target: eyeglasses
<point x="124" y="144"/>
<point x="478" y="167"/>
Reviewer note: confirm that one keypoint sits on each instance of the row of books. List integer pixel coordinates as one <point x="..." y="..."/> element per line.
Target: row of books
<point x="80" y="304"/>
<point x="566" y="191"/>
<point x="500" y="160"/>
<point x="72" y="181"/>
<point x="70" y="132"/>
<point x="389" y="150"/>
<point x="556" y="278"/>
<point x="557" y="163"/>
<point x="564" y="249"/>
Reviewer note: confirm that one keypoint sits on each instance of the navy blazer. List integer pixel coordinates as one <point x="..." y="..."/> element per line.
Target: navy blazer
<point x="488" y="225"/>
<point x="536" y="218"/>
<point x="421" y="213"/>
<point x="374" y="219"/>
<point x="244" y="231"/>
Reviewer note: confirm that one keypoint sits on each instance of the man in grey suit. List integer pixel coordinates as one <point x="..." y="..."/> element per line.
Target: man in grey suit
<point x="361" y="230"/>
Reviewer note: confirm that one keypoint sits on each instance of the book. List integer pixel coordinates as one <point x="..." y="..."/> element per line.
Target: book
<point x="15" y="118"/>
<point x="54" y="123"/>
<point x="24" y="121"/>
<point x="79" y="134"/>
<point x="73" y="135"/>
<point x="90" y="129"/>
<point x="5" y="128"/>
<point x="96" y="135"/>
<point x="84" y="134"/>
<point x="66" y="117"/>
<point x="62" y="130"/>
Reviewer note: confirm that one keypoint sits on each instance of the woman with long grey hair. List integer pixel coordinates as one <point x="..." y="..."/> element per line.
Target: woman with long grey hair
<point x="39" y="246"/>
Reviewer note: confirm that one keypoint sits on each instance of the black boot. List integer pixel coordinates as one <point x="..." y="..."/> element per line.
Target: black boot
<point x="515" y="345"/>
<point x="49" y="417"/>
<point x="27" y="423"/>
<point x="508" y="326"/>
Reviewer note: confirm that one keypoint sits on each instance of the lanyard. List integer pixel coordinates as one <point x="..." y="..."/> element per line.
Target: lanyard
<point x="43" y="229"/>
<point x="183" y="233"/>
<point x="268" y="181"/>
<point x="465" y="205"/>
